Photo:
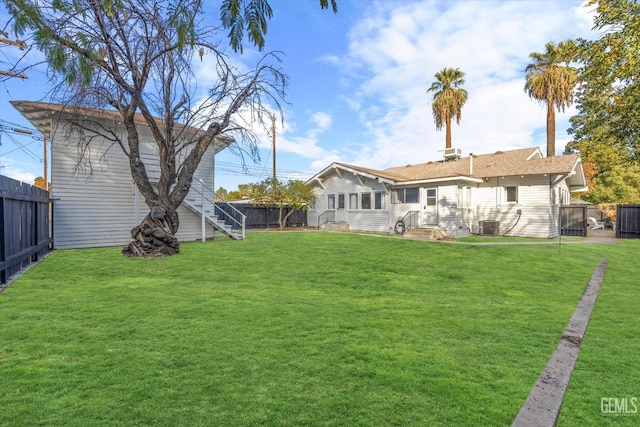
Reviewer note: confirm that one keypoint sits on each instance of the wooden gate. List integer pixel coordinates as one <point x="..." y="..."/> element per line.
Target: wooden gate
<point x="573" y="221"/>
<point x="628" y="221"/>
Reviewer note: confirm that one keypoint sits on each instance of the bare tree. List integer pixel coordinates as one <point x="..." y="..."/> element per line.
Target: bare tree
<point x="136" y="59"/>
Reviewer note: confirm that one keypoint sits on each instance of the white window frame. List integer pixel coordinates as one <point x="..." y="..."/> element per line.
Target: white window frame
<point x="362" y="200"/>
<point x="506" y="194"/>
<point x="353" y="201"/>
<point x="330" y="198"/>
<point x="378" y="195"/>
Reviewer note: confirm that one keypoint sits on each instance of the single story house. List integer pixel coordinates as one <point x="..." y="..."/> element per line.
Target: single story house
<point x="96" y="202"/>
<point x="515" y="193"/>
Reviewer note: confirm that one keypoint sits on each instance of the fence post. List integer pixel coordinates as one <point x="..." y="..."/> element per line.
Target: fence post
<point x="3" y="248"/>
<point x="204" y="231"/>
<point x="559" y="228"/>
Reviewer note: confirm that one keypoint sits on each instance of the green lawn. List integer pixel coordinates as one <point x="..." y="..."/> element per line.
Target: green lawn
<point x="318" y="329"/>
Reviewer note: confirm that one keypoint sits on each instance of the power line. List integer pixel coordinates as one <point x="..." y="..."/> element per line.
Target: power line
<point x="24" y="149"/>
<point x="9" y="129"/>
<point x="7" y="126"/>
<point x="255" y="170"/>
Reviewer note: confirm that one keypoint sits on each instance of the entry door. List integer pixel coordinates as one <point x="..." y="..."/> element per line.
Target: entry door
<point x="341" y="212"/>
<point x="430" y="206"/>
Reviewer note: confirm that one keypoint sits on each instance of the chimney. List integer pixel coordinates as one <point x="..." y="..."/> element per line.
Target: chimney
<point x="470" y="164"/>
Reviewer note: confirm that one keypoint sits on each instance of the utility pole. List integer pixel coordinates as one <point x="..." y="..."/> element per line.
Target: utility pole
<point x="20" y="44"/>
<point x="46" y="180"/>
<point x="273" y="136"/>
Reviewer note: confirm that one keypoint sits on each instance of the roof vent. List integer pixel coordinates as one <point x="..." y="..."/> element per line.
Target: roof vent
<point x="452" y="153"/>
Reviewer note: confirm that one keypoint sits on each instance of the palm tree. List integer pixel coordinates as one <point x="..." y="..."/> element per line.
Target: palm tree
<point x="448" y="99"/>
<point x="551" y="80"/>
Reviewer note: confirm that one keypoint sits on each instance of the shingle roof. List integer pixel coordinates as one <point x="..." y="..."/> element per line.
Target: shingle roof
<point x="524" y="161"/>
<point x="381" y="173"/>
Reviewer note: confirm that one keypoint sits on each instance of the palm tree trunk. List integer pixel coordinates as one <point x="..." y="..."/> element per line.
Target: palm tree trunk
<point x="448" y="134"/>
<point x="551" y="129"/>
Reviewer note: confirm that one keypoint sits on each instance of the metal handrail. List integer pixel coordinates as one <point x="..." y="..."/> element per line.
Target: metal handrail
<point x="241" y="223"/>
<point x="413" y="219"/>
<point x="407" y="222"/>
<point x="329" y="215"/>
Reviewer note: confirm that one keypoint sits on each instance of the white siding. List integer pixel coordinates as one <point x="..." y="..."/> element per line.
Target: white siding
<point x="101" y="210"/>
<point x="534" y="204"/>
<point x="399" y="210"/>
<point x="460" y="205"/>
<point x="448" y="214"/>
<point x="358" y="219"/>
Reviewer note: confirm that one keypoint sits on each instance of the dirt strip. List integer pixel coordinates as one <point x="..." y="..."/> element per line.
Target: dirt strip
<point x="545" y="399"/>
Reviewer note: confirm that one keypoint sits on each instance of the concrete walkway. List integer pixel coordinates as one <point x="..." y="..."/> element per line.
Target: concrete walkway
<point x="542" y="407"/>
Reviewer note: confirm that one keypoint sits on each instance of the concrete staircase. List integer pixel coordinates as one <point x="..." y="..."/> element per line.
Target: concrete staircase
<point x="425" y="234"/>
<point x="335" y="226"/>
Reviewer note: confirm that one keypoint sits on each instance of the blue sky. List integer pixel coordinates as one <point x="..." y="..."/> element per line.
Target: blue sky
<point x="358" y="83"/>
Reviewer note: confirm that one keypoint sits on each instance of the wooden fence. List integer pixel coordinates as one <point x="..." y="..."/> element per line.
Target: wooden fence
<point x="261" y="216"/>
<point x="573" y="220"/>
<point x="26" y="228"/>
<point x="628" y="221"/>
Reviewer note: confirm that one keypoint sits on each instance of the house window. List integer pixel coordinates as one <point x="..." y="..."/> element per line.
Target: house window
<point x="431" y="197"/>
<point x="511" y="194"/>
<point x="366" y="200"/>
<point x="331" y="201"/>
<point x="412" y="195"/>
<point x="406" y="195"/>
<point x="353" y="201"/>
<point x="340" y="201"/>
<point x="464" y="196"/>
<point x="378" y="201"/>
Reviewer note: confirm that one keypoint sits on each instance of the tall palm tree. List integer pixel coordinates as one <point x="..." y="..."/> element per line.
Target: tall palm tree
<point x="551" y="80"/>
<point x="448" y="99"/>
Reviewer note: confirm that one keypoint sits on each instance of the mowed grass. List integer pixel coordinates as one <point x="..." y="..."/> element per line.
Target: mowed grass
<point x="306" y="328"/>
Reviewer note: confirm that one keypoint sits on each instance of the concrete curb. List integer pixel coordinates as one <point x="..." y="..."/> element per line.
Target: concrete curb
<point x="544" y="402"/>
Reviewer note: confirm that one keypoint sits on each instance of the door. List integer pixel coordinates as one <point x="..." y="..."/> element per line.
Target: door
<point x="430" y="206"/>
<point x="341" y="212"/>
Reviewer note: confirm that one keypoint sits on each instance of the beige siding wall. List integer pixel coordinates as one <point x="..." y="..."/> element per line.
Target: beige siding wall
<point x="101" y="210"/>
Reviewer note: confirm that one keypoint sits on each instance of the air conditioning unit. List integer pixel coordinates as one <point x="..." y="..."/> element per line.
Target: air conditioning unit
<point x="452" y="153"/>
<point x="489" y="228"/>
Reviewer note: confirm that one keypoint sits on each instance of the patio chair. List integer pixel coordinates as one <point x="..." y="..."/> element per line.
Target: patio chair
<point x="595" y="225"/>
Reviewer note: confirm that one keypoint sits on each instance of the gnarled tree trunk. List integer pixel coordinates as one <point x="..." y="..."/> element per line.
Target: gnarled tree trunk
<point x="153" y="237"/>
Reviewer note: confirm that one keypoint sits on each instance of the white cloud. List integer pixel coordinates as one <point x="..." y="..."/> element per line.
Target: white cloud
<point x="396" y="48"/>
<point x="17" y="173"/>
<point x="321" y="120"/>
<point x="307" y="145"/>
